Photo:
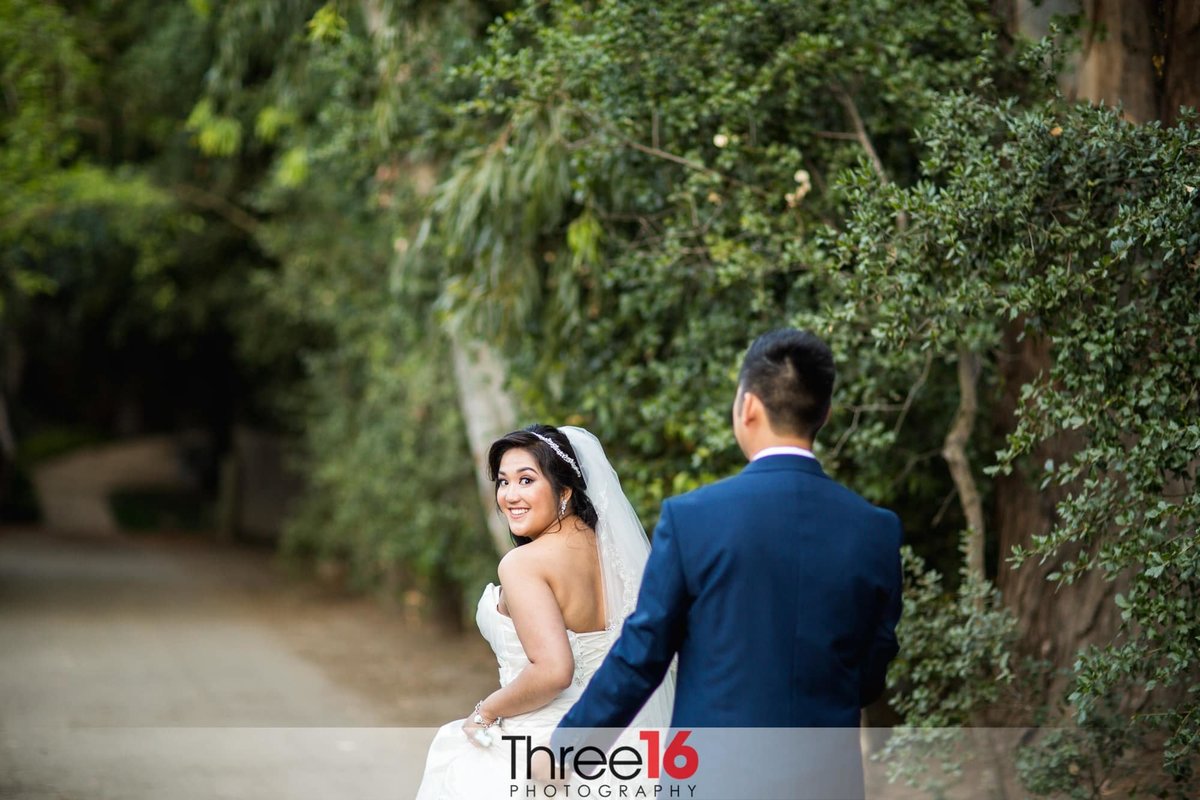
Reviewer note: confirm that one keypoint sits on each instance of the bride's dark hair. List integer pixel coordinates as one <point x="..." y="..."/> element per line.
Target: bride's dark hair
<point x="556" y="469"/>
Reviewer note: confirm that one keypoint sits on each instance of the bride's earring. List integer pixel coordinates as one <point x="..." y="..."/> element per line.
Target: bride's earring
<point x="562" y="509"/>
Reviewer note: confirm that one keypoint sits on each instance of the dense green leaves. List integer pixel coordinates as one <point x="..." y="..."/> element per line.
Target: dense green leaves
<point x="697" y="149"/>
<point x="1079" y="229"/>
<point x="351" y="114"/>
<point x="884" y="176"/>
<point x="621" y="195"/>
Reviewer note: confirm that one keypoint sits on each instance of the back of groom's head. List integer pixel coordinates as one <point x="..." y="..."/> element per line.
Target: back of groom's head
<point x="792" y="373"/>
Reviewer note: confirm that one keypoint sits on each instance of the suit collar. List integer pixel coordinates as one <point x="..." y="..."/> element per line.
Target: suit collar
<point x="783" y="451"/>
<point x="786" y="463"/>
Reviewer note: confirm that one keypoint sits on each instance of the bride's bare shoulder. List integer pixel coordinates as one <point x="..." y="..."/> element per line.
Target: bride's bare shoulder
<point x="526" y="561"/>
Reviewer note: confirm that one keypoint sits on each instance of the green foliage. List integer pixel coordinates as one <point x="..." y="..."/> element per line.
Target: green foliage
<point x="327" y="25"/>
<point x="53" y="442"/>
<point x="1054" y="765"/>
<point x="391" y="480"/>
<point x="107" y="240"/>
<point x="1088" y="761"/>
<point x="215" y="135"/>
<point x="955" y="648"/>
<point x="391" y="490"/>
<point x="634" y="160"/>
<point x="621" y="195"/>
<point x="1079" y="230"/>
<point x="47" y="76"/>
<point x="954" y="663"/>
<point x="882" y="174"/>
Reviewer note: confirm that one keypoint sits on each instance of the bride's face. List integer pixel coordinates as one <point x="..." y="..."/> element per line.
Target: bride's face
<point x="524" y="494"/>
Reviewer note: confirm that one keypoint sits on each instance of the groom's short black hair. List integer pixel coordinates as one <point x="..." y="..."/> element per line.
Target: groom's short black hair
<point x="791" y="372"/>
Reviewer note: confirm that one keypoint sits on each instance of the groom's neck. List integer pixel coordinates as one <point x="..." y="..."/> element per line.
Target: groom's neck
<point x="772" y="440"/>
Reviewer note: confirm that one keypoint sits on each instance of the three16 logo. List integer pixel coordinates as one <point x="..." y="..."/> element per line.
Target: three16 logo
<point x="679" y="760"/>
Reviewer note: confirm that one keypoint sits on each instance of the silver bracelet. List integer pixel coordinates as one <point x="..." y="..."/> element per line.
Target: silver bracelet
<point x="479" y="720"/>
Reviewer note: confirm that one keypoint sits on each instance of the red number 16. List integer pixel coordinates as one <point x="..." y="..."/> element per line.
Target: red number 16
<point x="676" y="750"/>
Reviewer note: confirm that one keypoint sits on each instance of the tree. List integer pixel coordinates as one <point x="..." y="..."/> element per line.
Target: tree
<point x="352" y="116"/>
<point x="100" y="257"/>
<point x="643" y="158"/>
<point x="616" y="197"/>
<point x="1058" y="230"/>
<point x="634" y="159"/>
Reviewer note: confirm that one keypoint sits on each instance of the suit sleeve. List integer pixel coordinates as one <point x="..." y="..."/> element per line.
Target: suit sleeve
<point x="884" y="646"/>
<point x="652" y="634"/>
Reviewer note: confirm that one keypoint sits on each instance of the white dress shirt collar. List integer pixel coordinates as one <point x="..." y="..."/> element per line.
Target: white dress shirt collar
<point x="782" y="451"/>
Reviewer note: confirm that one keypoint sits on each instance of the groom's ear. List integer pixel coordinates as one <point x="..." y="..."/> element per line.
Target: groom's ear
<point x="752" y="408"/>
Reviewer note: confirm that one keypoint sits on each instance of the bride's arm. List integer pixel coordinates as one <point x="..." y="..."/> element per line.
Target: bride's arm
<point x="538" y="620"/>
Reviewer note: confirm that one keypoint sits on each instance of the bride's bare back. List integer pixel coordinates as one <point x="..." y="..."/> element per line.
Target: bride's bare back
<point x="568" y="562"/>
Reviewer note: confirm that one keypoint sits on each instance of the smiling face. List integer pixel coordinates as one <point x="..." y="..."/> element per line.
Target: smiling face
<point x="524" y="494"/>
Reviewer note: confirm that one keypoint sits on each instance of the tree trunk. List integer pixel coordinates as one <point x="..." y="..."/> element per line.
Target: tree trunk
<point x="8" y="444"/>
<point x="1054" y="623"/>
<point x="8" y="450"/>
<point x="12" y="363"/>
<point x="954" y="450"/>
<point x="1180" y="83"/>
<point x="488" y="413"/>
<point x="1145" y="55"/>
<point x="1142" y="54"/>
<point x="1117" y="65"/>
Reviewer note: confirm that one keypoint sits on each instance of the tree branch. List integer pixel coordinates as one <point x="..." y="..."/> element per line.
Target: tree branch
<point x="667" y="156"/>
<point x="663" y="154"/>
<point x="840" y="135"/>
<point x="202" y="198"/>
<point x="860" y="131"/>
<point x="912" y="393"/>
<point x="954" y="450"/>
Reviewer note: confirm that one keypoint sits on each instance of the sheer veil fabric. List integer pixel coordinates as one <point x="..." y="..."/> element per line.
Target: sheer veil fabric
<point x="624" y="548"/>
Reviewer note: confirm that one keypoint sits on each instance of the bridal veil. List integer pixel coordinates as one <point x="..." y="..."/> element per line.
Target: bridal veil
<point x="624" y="548"/>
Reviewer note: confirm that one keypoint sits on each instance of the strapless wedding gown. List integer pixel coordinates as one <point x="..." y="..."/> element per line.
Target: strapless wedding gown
<point x="456" y="769"/>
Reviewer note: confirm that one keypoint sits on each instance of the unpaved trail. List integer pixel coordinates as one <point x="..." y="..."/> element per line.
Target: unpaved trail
<point x="173" y="667"/>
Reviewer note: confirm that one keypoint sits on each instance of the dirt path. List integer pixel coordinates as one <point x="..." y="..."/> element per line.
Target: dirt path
<point x="175" y="668"/>
<point x="165" y="666"/>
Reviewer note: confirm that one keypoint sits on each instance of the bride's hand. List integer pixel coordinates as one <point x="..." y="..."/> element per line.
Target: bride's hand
<point x="479" y="735"/>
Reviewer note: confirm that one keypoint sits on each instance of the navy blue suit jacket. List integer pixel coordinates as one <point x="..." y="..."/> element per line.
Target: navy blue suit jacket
<point x="778" y="588"/>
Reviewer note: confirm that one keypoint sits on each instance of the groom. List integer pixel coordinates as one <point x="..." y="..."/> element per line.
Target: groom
<point x="778" y="589"/>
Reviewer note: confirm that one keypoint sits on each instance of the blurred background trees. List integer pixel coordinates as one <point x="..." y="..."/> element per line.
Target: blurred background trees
<point x="335" y="221"/>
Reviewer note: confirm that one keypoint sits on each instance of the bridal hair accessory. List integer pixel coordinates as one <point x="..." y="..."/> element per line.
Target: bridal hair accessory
<point x="560" y="452"/>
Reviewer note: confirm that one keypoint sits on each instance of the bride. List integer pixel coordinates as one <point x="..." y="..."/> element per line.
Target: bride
<point x="565" y="590"/>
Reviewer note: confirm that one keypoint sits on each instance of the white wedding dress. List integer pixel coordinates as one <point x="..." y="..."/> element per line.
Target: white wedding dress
<point x="456" y="769"/>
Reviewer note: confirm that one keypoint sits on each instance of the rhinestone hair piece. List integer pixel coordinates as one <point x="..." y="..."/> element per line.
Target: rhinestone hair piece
<point x="561" y="454"/>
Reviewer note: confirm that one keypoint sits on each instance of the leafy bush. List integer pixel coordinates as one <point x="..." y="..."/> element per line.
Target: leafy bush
<point x="1076" y="229"/>
<point x="954" y="664"/>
